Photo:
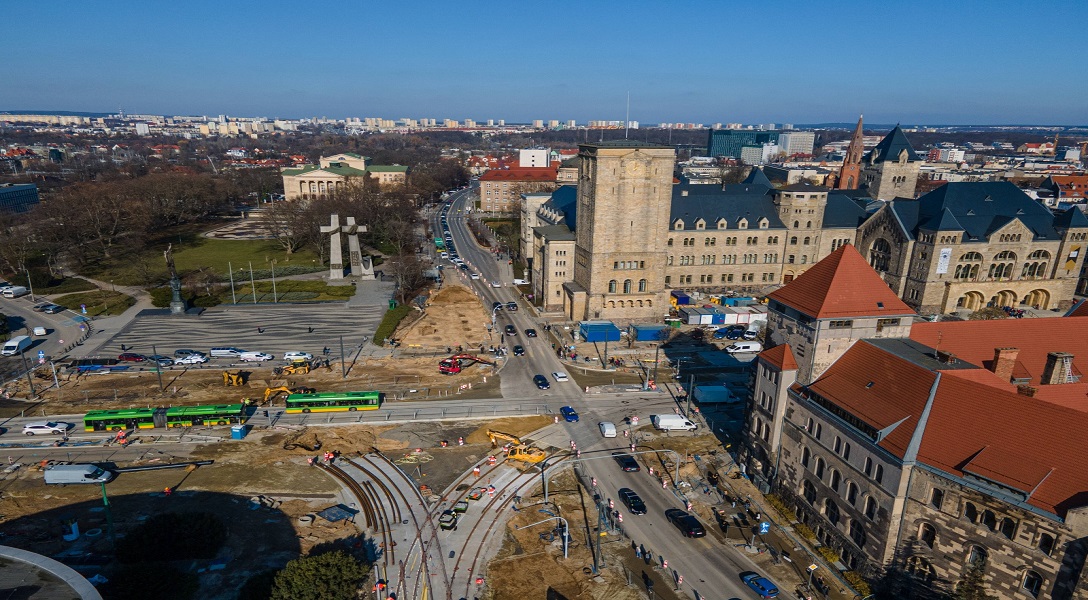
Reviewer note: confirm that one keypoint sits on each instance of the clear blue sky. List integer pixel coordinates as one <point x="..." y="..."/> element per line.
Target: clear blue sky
<point x="923" y="62"/>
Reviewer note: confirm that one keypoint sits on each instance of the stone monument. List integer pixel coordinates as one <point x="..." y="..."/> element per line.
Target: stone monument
<point x="177" y="305"/>
<point x="361" y="266"/>
<point x="336" y="251"/>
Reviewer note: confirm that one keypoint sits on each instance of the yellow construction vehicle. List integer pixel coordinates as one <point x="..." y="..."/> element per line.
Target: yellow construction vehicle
<point x="236" y="378"/>
<point x="296" y="368"/>
<point x="517" y="450"/>
<point x="272" y="392"/>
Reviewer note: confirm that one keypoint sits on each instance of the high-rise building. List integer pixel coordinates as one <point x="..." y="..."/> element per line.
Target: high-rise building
<point x="729" y="142"/>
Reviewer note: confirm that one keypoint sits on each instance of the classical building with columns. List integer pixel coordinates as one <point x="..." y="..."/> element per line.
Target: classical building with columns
<point x="314" y="181"/>
<point x="925" y="448"/>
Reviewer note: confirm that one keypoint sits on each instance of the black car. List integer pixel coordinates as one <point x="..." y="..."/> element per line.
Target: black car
<point x="496" y="306"/>
<point x="687" y="524"/>
<point x="530" y="333"/>
<point x="519" y="351"/>
<point x="510" y="330"/>
<point x="632" y="501"/>
<point x="735" y="332"/>
<point x="511" y="306"/>
<point x="626" y="462"/>
<point x="541" y="382"/>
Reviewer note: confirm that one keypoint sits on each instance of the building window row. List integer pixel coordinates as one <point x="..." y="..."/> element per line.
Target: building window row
<point x="628" y="264"/>
<point x="627" y="286"/>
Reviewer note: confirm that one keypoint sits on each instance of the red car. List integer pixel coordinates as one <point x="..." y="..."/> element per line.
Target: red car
<point x="131" y="357"/>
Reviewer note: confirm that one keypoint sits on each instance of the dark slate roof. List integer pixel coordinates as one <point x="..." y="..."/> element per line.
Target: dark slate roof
<point x="1071" y="218"/>
<point x="890" y="147"/>
<point x="757" y="177"/>
<point x="945" y="221"/>
<point x="555" y="233"/>
<point x="843" y="211"/>
<point x="979" y="207"/>
<point x="565" y="200"/>
<point x="710" y="203"/>
<point x="802" y="187"/>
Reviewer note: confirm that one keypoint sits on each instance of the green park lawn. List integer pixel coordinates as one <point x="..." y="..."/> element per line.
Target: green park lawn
<point x="99" y="302"/>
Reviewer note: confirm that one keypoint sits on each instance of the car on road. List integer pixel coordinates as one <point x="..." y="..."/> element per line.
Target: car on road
<point x="569" y="414"/>
<point x="511" y="306"/>
<point x="46" y="427"/>
<point x="510" y="330"/>
<point x="255" y="357"/>
<point x="53" y="309"/>
<point x="541" y="382"/>
<point x="560" y="376"/>
<point x="632" y="501"/>
<point x="186" y="352"/>
<point x="687" y="524"/>
<point x="41" y="307"/>
<point x="473" y="275"/>
<point x="627" y="462"/>
<point x="297" y="355"/>
<point x="192" y="359"/>
<point x="496" y="284"/>
<point x="131" y="357"/>
<point x="608" y="429"/>
<point x="162" y="361"/>
<point x="496" y="306"/>
<point x="760" y="584"/>
<point x="530" y="333"/>
<point x="519" y="351"/>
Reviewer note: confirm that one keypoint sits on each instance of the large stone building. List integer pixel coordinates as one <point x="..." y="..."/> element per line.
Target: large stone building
<point x="891" y="169"/>
<point x="333" y="172"/>
<point x="925" y="447"/>
<point x="977" y="244"/>
<point x="501" y="189"/>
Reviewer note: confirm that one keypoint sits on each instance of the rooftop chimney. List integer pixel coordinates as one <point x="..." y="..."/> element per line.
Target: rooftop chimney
<point x="1058" y="369"/>
<point x="1026" y="390"/>
<point x="945" y="357"/>
<point x="1004" y="361"/>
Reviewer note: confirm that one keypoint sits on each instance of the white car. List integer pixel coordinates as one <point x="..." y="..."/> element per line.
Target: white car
<point x="496" y="284"/>
<point x="560" y="376"/>
<point x="53" y="427"/>
<point x="255" y="357"/>
<point x="192" y="359"/>
<point x="296" y="355"/>
<point x="474" y="276"/>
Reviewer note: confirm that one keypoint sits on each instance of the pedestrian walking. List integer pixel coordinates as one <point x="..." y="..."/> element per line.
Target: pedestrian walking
<point x="260" y="330"/>
<point x="311" y="329"/>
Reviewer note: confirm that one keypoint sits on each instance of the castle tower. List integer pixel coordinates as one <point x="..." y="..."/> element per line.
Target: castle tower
<point x="891" y="169"/>
<point x="850" y="173"/>
<point x="622" y="216"/>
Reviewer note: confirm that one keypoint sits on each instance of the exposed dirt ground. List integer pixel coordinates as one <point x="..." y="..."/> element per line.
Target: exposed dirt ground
<point x="454" y="318"/>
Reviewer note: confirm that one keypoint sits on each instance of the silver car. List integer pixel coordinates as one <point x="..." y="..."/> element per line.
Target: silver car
<point x="45" y="427"/>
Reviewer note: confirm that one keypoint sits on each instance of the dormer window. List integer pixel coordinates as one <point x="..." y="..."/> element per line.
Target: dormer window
<point x="700" y="224"/>
<point x="678" y="224"/>
<point x="764" y="223"/>
<point x="742" y="224"/>
<point x="723" y="224"/>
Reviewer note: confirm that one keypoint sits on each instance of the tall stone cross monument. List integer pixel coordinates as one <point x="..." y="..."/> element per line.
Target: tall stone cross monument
<point x="360" y="266"/>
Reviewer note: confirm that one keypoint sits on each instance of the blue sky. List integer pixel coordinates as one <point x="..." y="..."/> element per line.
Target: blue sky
<point x="714" y="61"/>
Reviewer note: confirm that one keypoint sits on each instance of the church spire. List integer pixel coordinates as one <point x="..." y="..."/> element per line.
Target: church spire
<point x="850" y="172"/>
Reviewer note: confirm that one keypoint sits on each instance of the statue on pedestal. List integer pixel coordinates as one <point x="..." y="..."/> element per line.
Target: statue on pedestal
<point x="177" y="305"/>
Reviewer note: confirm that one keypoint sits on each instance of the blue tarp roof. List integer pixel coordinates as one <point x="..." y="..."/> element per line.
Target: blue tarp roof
<point x="600" y="331"/>
<point x="337" y="513"/>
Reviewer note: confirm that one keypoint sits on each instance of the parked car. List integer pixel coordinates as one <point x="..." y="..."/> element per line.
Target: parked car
<point x="41" y="307"/>
<point x="297" y="355"/>
<point x="541" y="382"/>
<point x="761" y="585"/>
<point x="510" y="330"/>
<point x="632" y="500"/>
<point x="530" y="333"/>
<point x="46" y="427"/>
<point x="519" y="351"/>
<point x="687" y="524"/>
<point x="131" y="357"/>
<point x="192" y="359"/>
<point x="569" y="414"/>
<point x="255" y="357"/>
<point x="162" y="361"/>
<point x="53" y="309"/>
<point x="186" y="352"/>
<point x="627" y="463"/>
<point x="750" y="334"/>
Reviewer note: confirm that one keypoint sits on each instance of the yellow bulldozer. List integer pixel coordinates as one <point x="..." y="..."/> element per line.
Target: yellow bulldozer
<point x="517" y="449"/>
<point x="272" y="392"/>
<point x="233" y="379"/>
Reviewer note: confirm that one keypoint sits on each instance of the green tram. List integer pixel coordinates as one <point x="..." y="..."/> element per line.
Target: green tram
<point x="151" y="418"/>
<point x="333" y="402"/>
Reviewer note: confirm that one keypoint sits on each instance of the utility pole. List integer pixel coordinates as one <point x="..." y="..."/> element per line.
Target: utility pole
<point x="343" y="359"/>
<point x="252" y="286"/>
<point x="158" y="367"/>
<point x="230" y="271"/>
<point x="691" y="390"/>
<point x="29" y="379"/>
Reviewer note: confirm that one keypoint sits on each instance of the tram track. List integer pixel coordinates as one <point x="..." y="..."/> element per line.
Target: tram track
<point x="376" y="519"/>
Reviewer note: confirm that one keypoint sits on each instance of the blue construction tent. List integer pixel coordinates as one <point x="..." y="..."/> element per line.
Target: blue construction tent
<point x="599" y="331"/>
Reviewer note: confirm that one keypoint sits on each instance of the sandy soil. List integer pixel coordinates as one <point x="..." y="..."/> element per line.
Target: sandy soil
<point x="454" y="317"/>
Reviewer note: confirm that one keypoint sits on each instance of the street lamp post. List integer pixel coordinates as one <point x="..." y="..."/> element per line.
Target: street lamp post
<point x="29" y="379"/>
<point x="230" y="271"/>
<point x="30" y="284"/>
<point x="275" y="297"/>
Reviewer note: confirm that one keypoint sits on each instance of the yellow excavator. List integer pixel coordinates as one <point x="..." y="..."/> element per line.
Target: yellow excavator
<point x="272" y="392"/>
<point x="233" y="379"/>
<point x="518" y="450"/>
<point x="296" y="368"/>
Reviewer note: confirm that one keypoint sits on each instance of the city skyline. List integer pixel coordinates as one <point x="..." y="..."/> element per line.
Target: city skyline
<point x="485" y="62"/>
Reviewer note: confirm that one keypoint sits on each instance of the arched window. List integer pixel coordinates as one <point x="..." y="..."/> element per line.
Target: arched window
<point x="880" y="255"/>
<point x="835" y="480"/>
<point x="642" y="285"/>
<point x="809" y="224"/>
<point x="793" y="240"/>
<point x="626" y="286"/>
<point x="977" y="556"/>
<point x="851" y="492"/>
<point x="818" y="468"/>
<point x="970" y="512"/>
<point x="1008" y="528"/>
<point x="807" y="240"/>
<point x="920" y="568"/>
<point x="796" y="224"/>
<point x="809" y="491"/>
<point x="831" y="511"/>
<point x="805" y="455"/>
<point x="927" y="534"/>
<point x="1046" y="543"/>
<point x="612" y="287"/>
<point x="879" y="473"/>
<point x="857" y="533"/>
<point x="1033" y="583"/>
<point x="870" y="508"/>
<point x="989" y="520"/>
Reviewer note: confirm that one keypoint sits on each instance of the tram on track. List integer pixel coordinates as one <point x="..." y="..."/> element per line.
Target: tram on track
<point x="333" y="402"/>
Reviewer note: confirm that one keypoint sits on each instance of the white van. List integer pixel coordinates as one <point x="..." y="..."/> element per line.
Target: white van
<point x="744" y="347"/>
<point x="65" y="474"/>
<point x="608" y="429"/>
<point x="15" y="291"/>
<point x="226" y="352"/>
<point x="16" y="345"/>
<point x="672" y="422"/>
<point x="254" y="356"/>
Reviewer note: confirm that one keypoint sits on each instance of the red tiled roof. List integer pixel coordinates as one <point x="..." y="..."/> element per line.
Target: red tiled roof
<point x="522" y="174"/>
<point x="842" y="285"/>
<point x="897" y="393"/>
<point x="781" y="357"/>
<point x="1080" y="310"/>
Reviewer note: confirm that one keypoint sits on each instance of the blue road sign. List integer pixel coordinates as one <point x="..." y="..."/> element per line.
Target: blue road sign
<point x="764" y="527"/>
<point x="41" y="354"/>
